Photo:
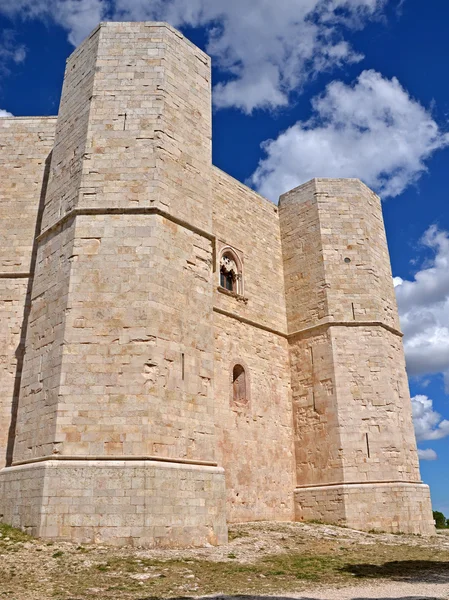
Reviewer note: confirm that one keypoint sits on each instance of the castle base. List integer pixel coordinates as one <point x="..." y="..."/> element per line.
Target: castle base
<point x="140" y="503"/>
<point x="393" y="507"/>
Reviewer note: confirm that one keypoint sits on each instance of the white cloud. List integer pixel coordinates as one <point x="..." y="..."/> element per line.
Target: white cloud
<point x="429" y="425"/>
<point x="423" y="305"/>
<point x="10" y="50"/>
<point x="372" y="130"/>
<point x="5" y="113"/>
<point x="78" y="17"/>
<point x="427" y="454"/>
<point x="268" y="48"/>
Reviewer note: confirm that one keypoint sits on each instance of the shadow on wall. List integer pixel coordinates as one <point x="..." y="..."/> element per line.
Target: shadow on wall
<point x="20" y="351"/>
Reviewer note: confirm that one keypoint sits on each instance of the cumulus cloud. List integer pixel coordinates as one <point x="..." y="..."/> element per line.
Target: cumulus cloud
<point x="267" y="48"/>
<point x="429" y="424"/>
<point x="5" y="113"/>
<point x="78" y="17"/>
<point x="373" y="130"/>
<point x="427" y="454"/>
<point x="423" y="305"/>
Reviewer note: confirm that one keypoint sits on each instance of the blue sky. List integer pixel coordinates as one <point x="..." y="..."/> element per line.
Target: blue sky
<point x="349" y="88"/>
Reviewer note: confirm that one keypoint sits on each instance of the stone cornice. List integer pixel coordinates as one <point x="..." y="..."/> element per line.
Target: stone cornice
<point x="306" y="330"/>
<point x="313" y="486"/>
<point x="15" y="275"/>
<point x="141" y="210"/>
<point x="52" y="457"/>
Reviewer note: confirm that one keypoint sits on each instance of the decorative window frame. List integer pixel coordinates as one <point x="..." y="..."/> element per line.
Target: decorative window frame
<point x="239" y="406"/>
<point x="238" y="259"/>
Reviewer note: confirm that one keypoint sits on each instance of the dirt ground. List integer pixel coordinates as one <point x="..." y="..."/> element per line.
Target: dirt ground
<point x="293" y="560"/>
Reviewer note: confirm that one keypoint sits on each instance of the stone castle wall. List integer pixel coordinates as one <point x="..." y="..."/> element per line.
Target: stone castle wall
<point x="117" y="502"/>
<point x="24" y="149"/>
<point x="351" y="406"/>
<point x="121" y="418"/>
<point x="250" y="330"/>
<point x="111" y="372"/>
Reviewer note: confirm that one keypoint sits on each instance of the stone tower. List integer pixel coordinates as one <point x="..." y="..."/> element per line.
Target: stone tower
<point x="356" y="459"/>
<point x="146" y="393"/>
<point x="116" y="383"/>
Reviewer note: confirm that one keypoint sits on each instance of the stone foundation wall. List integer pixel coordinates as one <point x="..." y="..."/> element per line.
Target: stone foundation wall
<point x="392" y="507"/>
<point x="141" y="503"/>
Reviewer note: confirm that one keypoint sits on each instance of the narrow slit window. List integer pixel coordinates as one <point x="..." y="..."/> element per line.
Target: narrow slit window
<point x="367" y="446"/>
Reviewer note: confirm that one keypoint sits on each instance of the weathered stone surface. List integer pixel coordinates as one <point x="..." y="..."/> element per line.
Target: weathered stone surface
<point x="25" y="145"/>
<point x="117" y="502"/>
<point x="394" y="507"/>
<point x="354" y="443"/>
<point x="124" y="419"/>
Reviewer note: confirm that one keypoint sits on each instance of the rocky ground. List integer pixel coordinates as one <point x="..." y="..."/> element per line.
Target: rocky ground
<point x="283" y="559"/>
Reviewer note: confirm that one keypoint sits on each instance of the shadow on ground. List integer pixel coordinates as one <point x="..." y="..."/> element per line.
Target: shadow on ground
<point x="334" y="596"/>
<point x="430" y="571"/>
<point x="407" y="571"/>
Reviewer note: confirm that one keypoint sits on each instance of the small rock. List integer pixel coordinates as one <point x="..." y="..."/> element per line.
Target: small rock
<point x="145" y="576"/>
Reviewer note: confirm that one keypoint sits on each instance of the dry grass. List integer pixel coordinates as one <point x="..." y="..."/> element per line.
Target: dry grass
<point x="262" y="558"/>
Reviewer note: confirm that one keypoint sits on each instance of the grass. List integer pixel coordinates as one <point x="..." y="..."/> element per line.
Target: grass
<point x="301" y="562"/>
<point x="272" y="574"/>
<point x="12" y="535"/>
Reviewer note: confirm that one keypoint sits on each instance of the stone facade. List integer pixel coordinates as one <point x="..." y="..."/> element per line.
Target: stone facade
<point x="148" y="395"/>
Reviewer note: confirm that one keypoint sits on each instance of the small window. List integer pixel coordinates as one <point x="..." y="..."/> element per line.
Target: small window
<point x="239" y="390"/>
<point x="227" y="280"/>
<point x="230" y="276"/>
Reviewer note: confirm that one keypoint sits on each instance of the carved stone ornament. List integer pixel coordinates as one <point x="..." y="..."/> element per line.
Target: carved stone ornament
<point x="229" y="265"/>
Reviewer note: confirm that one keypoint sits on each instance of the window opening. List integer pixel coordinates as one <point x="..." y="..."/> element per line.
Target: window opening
<point x="227" y="280"/>
<point x="229" y="273"/>
<point x="367" y="446"/>
<point x="239" y="385"/>
<point x="313" y="379"/>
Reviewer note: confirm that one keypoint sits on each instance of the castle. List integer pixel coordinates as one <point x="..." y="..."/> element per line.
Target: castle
<point x="176" y="352"/>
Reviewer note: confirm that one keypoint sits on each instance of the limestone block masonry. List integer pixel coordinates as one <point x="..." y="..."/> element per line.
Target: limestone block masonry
<point x="149" y="392"/>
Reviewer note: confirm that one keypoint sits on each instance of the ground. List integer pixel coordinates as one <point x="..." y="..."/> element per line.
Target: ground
<point x="293" y="560"/>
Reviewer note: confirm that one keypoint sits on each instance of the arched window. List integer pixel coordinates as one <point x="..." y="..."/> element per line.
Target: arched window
<point x="239" y="389"/>
<point x="230" y="276"/>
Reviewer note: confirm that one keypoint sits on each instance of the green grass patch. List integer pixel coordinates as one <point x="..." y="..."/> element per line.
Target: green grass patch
<point x="14" y="535"/>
